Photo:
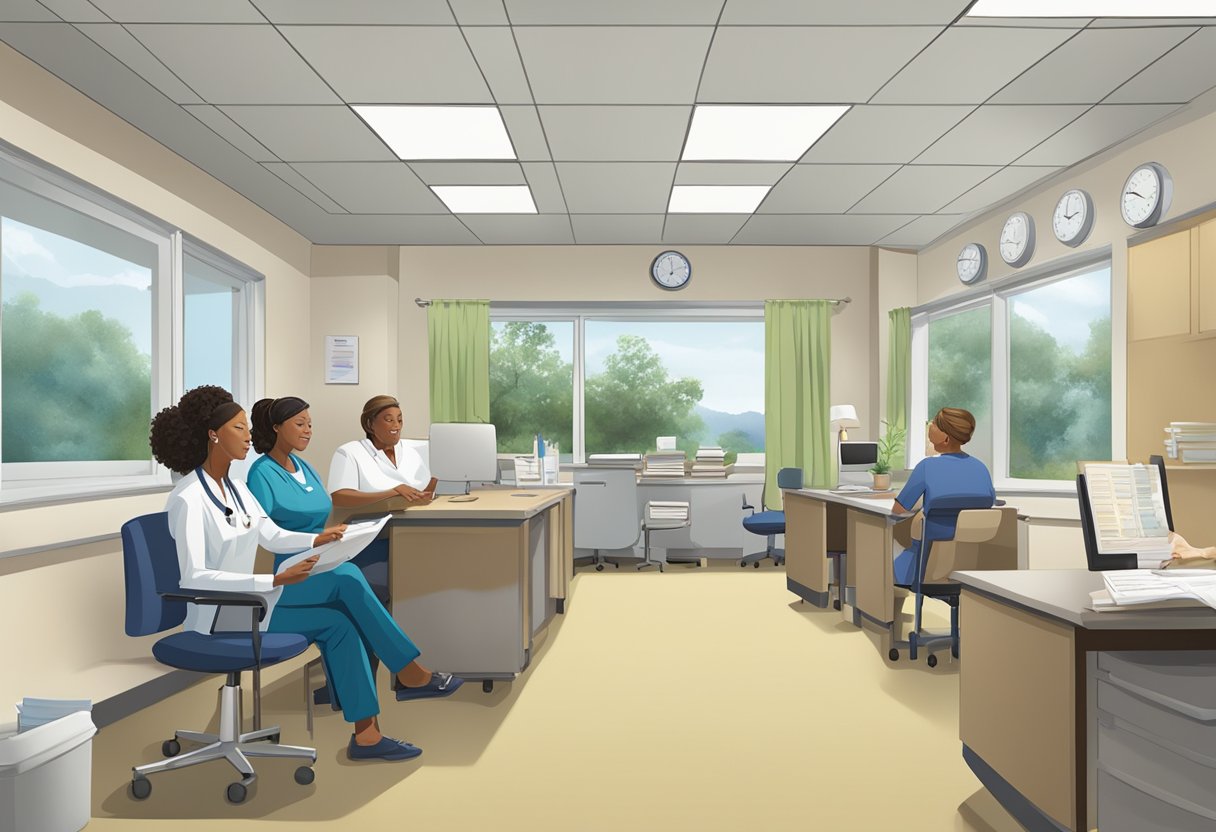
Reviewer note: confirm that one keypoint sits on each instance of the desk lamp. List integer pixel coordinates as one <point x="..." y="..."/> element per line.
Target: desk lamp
<point x="842" y="417"/>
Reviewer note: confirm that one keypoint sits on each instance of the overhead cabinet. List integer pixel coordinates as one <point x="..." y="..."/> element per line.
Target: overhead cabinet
<point x="1171" y="285"/>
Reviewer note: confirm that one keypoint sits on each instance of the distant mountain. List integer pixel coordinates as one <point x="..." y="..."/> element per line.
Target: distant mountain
<point x="718" y="423"/>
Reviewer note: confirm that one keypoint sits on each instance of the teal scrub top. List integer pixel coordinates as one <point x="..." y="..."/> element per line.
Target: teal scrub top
<point x="292" y="506"/>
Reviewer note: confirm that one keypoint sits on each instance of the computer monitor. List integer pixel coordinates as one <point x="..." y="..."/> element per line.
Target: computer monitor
<point x="855" y="459"/>
<point x="464" y="452"/>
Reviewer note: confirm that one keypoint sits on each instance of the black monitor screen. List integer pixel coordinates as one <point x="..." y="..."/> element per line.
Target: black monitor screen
<point x="858" y="453"/>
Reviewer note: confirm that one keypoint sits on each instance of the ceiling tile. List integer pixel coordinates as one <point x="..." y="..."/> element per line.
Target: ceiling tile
<point x="618" y="12"/>
<point x="231" y="132"/>
<point x="122" y="45"/>
<point x="1103" y="126"/>
<point x="545" y="186"/>
<point x="836" y="64"/>
<point x="523" y="229"/>
<point x="823" y="189"/>
<point x="998" y="134"/>
<point x="616" y="187"/>
<point x="889" y="134"/>
<point x="608" y="229"/>
<point x="835" y="13"/>
<point x="1179" y="76"/>
<point x="967" y="65"/>
<point x="373" y="187"/>
<point x="479" y="12"/>
<point x="922" y="189"/>
<point x="921" y="231"/>
<point x="311" y="134"/>
<point x="818" y="229"/>
<point x="707" y="229"/>
<point x="1001" y="185"/>
<point x="393" y="64"/>
<point x="494" y="50"/>
<point x="1141" y="22"/>
<point x="730" y="173"/>
<point x="604" y="65"/>
<point x="1085" y="69"/>
<point x="469" y="173"/>
<point x="527" y="134"/>
<point x="158" y="11"/>
<point x="377" y="12"/>
<point x="20" y="11"/>
<point x="390" y="230"/>
<point x="615" y="133"/>
<point x="73" y="11"/>
<point x="257" y="67"/>
<point x="293" y="178"/>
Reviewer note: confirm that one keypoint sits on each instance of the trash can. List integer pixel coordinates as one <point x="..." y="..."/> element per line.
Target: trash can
<point x="46" y="775"/>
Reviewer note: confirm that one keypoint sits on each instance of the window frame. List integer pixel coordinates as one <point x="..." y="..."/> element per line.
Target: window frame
<point x="581" y="314"/>
<point x="997" y="297"/>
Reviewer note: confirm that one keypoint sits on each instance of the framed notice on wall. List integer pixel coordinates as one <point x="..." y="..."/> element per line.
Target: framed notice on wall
<point x="341" y="359"/>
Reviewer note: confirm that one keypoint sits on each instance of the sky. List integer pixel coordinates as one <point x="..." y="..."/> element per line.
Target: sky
<point x="1066" y="307"/>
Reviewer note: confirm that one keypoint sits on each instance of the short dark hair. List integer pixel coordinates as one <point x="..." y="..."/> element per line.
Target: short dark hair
<point x="179" y="432"/>
<point x="266" y="413"/>
<point x="373" y="408"/>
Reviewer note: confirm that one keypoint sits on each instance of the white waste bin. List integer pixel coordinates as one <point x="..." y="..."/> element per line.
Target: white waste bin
<point x="46" y="775"/>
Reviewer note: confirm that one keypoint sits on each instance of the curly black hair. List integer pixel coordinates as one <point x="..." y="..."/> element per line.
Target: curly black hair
<point x="179" y="432"/>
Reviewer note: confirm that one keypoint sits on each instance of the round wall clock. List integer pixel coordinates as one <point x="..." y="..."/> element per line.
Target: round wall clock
<point x="1073" y="218"/>
<point x="972" y="263"/>
<point x="671" y="270"/>
<point x="1017" y="239"/>
<point x="1146" y="195"/>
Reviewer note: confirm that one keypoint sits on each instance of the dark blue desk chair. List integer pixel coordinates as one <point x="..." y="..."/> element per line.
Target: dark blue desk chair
<point x="155" y="603"/>
<point x="770" y="523"/>
<point x="955" y="531"/>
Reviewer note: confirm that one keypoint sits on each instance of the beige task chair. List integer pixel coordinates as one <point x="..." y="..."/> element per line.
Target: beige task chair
<point x="983" y="539"/>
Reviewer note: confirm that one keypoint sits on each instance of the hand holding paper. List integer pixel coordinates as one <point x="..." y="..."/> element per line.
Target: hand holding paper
<point x="354" y="541"/>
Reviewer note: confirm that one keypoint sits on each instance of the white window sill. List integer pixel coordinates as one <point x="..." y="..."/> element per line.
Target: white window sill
<point x="17" y="497"/>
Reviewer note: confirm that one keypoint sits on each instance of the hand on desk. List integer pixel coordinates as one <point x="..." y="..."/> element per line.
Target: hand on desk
<point x="413" y="495"/>
<point x="1179" y="548"/>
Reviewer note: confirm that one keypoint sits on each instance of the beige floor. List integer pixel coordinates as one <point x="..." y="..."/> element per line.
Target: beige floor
<point x="697" y="699"/>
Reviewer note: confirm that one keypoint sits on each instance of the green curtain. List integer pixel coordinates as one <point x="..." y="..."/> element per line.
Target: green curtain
<point x="797" y="382"/>
<point x="459" y="332"/>
<point x="899" y="369"/>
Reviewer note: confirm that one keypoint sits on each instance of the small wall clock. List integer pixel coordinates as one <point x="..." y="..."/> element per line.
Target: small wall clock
<point x="1146" y="195"/>
<point x="671" y="270"/>
<point x="1017" y="239"/>
<point x="972" y="263"/>
<point x="1073" y="218"/>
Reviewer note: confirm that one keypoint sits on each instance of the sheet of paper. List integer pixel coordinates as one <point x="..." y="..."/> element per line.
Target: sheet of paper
<point x="341" y="359"/>
<point x="355" y="540"/>
<point x="1129" y="511"/>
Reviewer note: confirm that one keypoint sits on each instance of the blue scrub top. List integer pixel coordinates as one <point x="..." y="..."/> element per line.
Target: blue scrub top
<point x="292" y="506"/>
<point x="954" y="474"/>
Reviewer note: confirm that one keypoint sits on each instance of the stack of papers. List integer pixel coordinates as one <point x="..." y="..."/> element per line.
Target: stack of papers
<point x="615" y="460"/>
<point x="354" y="540"/>
<point x="33" y="712"/>
<point x="1152" y="589"/>
<point x="667" y="510"/>
<point x="527" y="469"/>
<point x="709" y="463"/>
<point x="1129" y="511"/>
<point x="1191" y="441"/>
<point x="664" y="464"/>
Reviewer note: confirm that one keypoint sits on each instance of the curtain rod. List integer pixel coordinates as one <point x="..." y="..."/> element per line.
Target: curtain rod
<point x="835" y="301"/>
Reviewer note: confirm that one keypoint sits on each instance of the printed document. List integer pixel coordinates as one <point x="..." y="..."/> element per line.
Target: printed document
<point x="354" y="541"/>
<point x="1129" y="511"/>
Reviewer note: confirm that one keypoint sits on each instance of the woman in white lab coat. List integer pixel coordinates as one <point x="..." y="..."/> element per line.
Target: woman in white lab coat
<point x="217" y="525"/>
<point x="381" y="465"/>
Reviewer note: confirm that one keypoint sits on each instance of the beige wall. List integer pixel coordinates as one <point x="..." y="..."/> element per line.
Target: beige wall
<point x="71" y="599"/>
<point x="621" y="273"/>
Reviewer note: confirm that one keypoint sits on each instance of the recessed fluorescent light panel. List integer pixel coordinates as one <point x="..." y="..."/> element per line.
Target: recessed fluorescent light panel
<point x="756" y="133"/>
<point x="716" y="199"/>
<point x="486" y="199"/>
<point x="1093" y="8"/>
<point x="440" y="132"/>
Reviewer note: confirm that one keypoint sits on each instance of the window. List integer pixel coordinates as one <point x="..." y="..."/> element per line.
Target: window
<point x="87" y="334"/>
<point x="612" y="383"/>
<point x="1032" y="362"/>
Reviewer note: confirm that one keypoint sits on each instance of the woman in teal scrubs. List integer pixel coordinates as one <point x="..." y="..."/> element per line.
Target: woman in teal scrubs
<point x="325" y="606"/>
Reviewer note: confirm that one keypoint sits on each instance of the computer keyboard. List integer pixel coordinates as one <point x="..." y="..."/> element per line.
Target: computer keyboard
<point x="853" y="488"/>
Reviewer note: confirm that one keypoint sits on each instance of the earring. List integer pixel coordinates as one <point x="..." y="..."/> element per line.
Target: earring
<point x="215" y="440"/>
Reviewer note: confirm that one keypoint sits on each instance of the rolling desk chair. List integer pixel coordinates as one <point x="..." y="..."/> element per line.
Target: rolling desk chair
<point x="605" y="511"/>
<point x="770" y="523"/>
<point x="154" y="603"/>
<point x="984" y="537"/>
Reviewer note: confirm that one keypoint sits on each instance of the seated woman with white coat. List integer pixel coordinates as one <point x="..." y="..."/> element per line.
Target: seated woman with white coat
<point x="381" y="465"/>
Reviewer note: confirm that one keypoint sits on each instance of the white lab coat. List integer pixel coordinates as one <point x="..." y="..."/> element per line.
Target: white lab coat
<point x="214" y="554"/>
<point x="360" y="466"/>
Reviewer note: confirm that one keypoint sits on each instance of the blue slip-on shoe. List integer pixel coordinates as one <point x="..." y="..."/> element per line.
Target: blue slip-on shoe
<point x="441" y="684"/>
<point x="387" y="749"/>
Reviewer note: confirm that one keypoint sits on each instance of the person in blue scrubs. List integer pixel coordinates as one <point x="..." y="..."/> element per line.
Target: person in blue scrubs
<point x="952" y="472"/>
<point x="335" y="609"/>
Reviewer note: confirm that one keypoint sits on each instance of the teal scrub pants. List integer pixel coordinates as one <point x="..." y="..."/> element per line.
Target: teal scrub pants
<point x="338" y="611"/>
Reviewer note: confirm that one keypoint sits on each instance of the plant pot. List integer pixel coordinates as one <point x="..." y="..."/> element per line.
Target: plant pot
<point x="882" y="482"/>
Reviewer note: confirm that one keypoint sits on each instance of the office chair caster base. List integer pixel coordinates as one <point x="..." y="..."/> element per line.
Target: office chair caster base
<point x="931" y="660"/>
<point x="756" y="565"/>
<point x="487" y="686"/>
<point x="893" y="654"/>
<point x="141" y="787"/>
<point x="305" y="775"/>
<point x="599" y="567"/>
<point x="237" y="792"/>
<point x="170" y="748"/>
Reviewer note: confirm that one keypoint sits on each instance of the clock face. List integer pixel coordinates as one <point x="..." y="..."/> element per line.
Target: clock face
<point x="1146" y="195"/>
<point x="972" y="263"/>
<point x="1017" y="239"/>
<point x="671" y="270"/>
<point x="1073" y="218"/>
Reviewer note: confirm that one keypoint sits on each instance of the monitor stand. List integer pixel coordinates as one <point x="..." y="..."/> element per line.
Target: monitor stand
<point x="466" y="497"/>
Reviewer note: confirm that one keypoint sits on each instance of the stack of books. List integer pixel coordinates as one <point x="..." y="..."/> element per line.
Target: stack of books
<point x="664" y="464"/>
<point x="667" y="511"/>
<point x="710" y="463"/>
<point x="614" y="460"/>
<point x="1191" y="441"/>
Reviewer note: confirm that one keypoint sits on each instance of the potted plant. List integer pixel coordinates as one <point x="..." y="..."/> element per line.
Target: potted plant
<point x="890" y="444"/>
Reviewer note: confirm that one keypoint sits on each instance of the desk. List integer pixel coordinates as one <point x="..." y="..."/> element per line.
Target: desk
<point x="1027" y="684"/>
<point x="474" y="583"/>
<point x="716" y="507"/>
<point x="818" y="521"/>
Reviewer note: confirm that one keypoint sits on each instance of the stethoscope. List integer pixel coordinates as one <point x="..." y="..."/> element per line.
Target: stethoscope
<point x="246" y="518"/>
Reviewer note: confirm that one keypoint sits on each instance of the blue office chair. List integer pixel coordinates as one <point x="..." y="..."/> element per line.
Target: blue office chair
<point x="770" y="523"/>
<point x="155" y="603"/>
<point x="958" y="519"/>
